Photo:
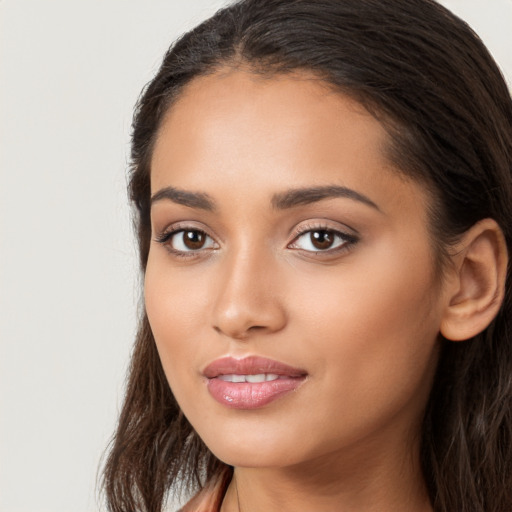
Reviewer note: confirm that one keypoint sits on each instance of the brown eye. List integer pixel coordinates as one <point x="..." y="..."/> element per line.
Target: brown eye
<point x="322" y="239"/>
<point x="187" y="241"/>
<point x="193" y="240"/>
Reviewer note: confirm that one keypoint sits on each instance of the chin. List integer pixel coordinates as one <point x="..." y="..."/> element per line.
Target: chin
<point x="254" y="448"/>
<point x="252" y="457"/>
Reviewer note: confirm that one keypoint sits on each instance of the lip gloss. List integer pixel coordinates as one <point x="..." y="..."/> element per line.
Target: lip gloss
<point x="251" y="382"/>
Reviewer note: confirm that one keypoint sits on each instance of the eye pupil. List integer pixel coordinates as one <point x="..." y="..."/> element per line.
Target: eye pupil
<point x="193" y="239"/>
<point x="322" y="239"/>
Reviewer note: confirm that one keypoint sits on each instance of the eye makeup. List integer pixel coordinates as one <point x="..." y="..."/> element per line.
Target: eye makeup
<point x="313" y="239"/>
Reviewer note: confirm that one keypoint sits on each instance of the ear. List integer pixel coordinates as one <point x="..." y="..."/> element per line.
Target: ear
<point x="478" y="286"/>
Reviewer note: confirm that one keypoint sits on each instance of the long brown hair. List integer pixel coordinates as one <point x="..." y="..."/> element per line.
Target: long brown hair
<point x="430" y="80"/>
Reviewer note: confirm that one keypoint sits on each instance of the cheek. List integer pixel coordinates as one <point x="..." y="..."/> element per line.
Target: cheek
<point x="176" y="303"/>
<point x="374" y="324"/>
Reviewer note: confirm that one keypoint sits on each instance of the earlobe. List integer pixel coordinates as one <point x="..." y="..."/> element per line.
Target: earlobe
<point x="480" y="269"/>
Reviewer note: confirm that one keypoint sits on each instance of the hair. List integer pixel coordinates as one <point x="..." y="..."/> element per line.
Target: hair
<point x="432" y="83"/>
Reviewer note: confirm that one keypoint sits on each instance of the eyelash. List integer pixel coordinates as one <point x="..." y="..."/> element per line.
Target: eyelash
<point x="348" y="240"/>
<point x="166" y="237"/>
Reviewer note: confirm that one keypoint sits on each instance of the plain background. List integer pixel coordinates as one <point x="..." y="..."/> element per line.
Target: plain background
<point x="70" y="73"/>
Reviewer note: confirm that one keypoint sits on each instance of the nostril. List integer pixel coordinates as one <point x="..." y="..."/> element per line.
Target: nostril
<point x="240" y="334"/>
<point x="240" y="315"/>
<point x="256" y="328"/>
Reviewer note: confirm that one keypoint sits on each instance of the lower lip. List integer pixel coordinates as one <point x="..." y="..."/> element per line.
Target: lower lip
<point x="247" y="395"/>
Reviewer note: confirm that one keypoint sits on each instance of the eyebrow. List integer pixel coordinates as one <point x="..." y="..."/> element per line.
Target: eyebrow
<point x="302" y="196"/>
<point x="192" y="199"/>
<point x="280" y="201"/>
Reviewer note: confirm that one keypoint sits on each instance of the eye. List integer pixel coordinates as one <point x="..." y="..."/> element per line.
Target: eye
<point x="322" y="240"/>
<point x="187" y="240"/>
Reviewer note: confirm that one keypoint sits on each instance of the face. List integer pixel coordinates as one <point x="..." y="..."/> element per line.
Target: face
<point x="290" y="284"/>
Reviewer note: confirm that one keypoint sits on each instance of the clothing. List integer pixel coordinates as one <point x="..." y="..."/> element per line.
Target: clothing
<point x="209" y="499"/>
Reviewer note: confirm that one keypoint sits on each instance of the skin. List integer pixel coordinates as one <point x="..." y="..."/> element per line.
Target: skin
<point x="363" y="320"/>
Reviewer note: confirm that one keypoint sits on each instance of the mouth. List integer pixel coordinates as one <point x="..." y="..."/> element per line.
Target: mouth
<point x="251" y="382"/>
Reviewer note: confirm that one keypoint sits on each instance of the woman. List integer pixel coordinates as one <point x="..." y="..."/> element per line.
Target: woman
<point x="323" y="195"/>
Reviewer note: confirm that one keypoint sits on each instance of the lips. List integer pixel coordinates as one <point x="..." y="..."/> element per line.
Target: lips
<point x="251" y="382"/>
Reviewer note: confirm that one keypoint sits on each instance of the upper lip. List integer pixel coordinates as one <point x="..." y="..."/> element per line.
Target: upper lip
<point x="252" y="365"/>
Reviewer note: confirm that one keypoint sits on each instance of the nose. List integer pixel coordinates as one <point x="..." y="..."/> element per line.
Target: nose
<point x="249" y="297"/>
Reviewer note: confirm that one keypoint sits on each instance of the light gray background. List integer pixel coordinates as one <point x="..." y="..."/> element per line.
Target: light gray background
<point x="70" y="72"/>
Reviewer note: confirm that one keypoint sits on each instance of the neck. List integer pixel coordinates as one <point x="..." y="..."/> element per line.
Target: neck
<point x="373" y="481"/>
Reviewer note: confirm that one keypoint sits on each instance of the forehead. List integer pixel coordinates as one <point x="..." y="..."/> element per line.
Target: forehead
<point x="236" y="129"/>
<point x="249" y="109"/>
